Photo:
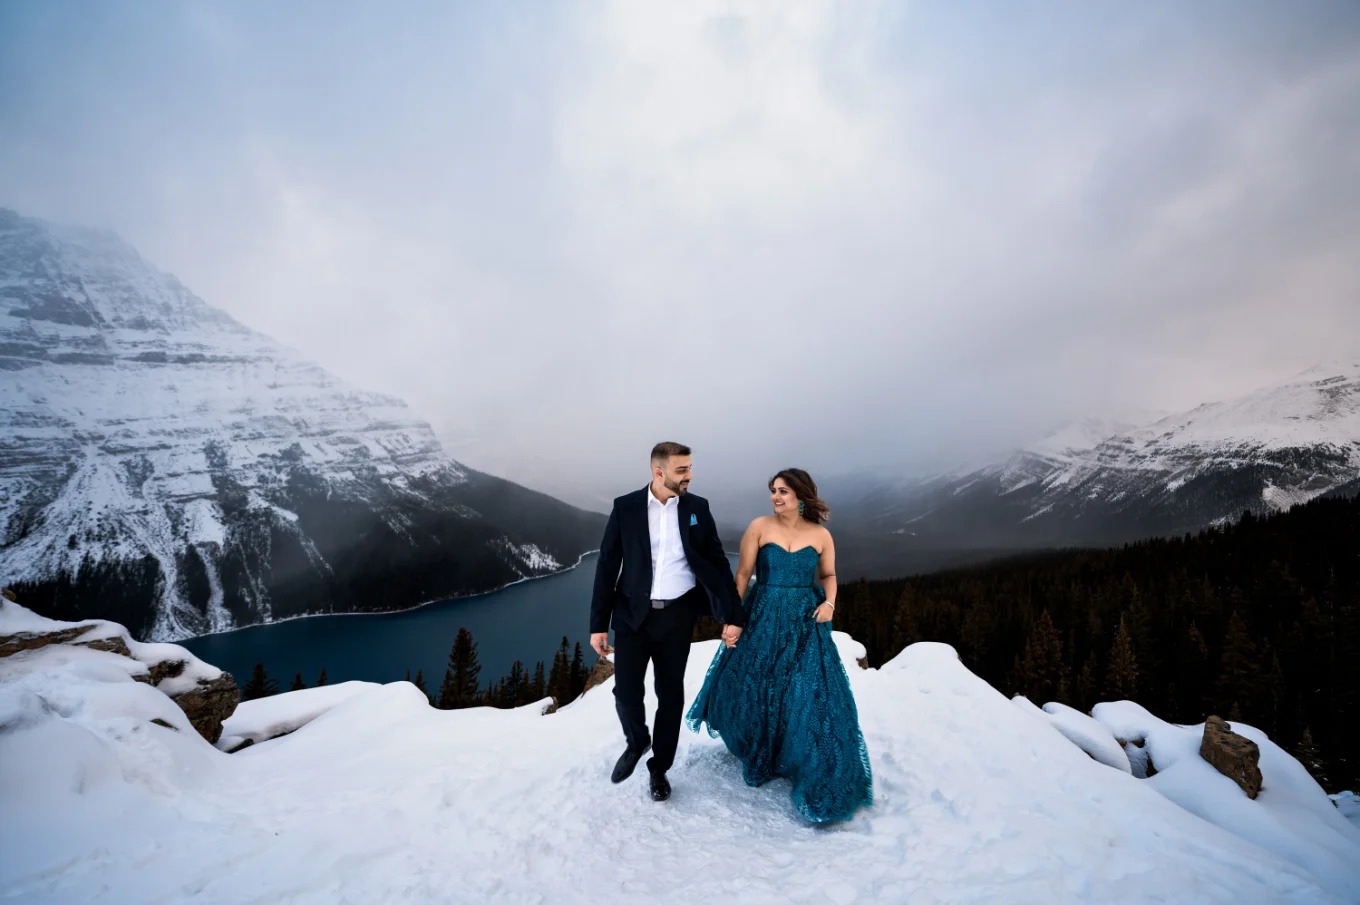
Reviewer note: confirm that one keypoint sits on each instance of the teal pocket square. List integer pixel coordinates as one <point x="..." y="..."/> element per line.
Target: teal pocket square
<point x="694" y="520"/>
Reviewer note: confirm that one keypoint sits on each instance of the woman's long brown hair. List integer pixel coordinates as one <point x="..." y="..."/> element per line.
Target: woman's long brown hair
<point x="800" y="482"/>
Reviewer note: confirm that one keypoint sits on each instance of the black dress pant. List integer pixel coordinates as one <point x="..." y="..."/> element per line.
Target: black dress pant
<point x="663" y="639"/>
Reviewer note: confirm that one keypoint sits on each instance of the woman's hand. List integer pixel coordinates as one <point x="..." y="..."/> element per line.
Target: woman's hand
<point x="824" y="612"/>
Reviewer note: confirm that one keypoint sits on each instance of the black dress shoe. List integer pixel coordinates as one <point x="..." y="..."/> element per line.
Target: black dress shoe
<point x="661" y="786"/>
<point x="628" y="762"/>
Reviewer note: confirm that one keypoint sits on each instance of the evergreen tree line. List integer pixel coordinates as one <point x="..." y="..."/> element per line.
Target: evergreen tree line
<point x="261" y="685"/>
<point x="462" y="686"/>
<point x="1257" y="621"/>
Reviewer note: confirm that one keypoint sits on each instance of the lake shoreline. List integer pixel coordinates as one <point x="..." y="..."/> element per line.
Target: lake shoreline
<point x="458" y="599"/>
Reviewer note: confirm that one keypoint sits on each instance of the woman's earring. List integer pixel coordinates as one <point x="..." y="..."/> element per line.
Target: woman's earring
<point x="800" y="507"/>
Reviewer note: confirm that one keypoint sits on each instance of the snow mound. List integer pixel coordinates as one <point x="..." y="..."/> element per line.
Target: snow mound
<point x="1291" y="817"/>
<point x="1088" y="734"/>
<point x="382" y="798"/>
<point x="280" y="714"/>
<point x="1348" y="803"/>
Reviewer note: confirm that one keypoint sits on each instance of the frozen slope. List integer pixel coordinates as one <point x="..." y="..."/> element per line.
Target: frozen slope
<point x="383" y="799"/>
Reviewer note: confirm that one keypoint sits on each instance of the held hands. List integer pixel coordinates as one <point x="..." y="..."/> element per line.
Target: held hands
<point x="730" y="634"/>
<point x="824" y="612"/>
<point x="600" y="641"/>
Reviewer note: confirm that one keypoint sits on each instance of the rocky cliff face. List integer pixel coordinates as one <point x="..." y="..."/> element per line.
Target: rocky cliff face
<point x="167" y="467"/>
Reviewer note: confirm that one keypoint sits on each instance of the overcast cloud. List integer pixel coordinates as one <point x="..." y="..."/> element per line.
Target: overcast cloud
<point x="841" y="235"/>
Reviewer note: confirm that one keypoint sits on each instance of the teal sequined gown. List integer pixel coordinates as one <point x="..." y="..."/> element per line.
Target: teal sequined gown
<point x="781" y="701"/>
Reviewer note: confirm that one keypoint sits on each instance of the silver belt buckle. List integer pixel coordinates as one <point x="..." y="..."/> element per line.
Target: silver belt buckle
<point x="659" y="604"/>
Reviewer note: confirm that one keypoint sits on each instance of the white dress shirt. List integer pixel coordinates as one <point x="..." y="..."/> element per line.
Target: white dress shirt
<point x="671" y="574"/>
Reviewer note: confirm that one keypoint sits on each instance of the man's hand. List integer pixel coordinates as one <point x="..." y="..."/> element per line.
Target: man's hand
<point x="600" y="641"/>
<point x="730" y="634"/>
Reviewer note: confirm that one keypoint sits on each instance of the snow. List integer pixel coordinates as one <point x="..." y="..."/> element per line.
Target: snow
<point x="381" y="798"/>
<point x="1082" y="435"/>
<point x="1290" y="817"/>
<point x="1089" y="735"/>
<point x="1348" y="803"/>
<point x="16" y="619"/>
<point x="1319" y="406"/>
<point x="266" y="718"/>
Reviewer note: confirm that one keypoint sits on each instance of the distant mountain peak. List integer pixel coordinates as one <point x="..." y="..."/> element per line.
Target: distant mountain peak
<point x="1096" y="481"/>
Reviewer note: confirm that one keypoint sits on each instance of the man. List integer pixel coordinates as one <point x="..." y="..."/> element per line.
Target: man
<point x="661" y="565"/>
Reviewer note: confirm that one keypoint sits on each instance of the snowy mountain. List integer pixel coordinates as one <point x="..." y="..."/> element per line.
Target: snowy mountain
<point x="1095" y="482"/>
<point x="378" y="797"/>
<point x="165" y="466"/>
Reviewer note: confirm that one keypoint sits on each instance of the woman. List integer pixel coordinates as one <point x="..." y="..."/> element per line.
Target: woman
<point x="778" y="695"/>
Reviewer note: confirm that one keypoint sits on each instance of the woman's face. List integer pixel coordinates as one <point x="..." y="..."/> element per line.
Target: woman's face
<point x="782" y="497"/>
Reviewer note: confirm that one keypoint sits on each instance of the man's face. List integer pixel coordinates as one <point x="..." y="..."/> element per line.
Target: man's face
<point x="674" y="473"/>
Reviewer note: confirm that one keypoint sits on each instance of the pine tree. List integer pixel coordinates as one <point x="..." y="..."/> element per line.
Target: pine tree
<point x="1239" y="671"/>
<point x="1193" y="672"/>
<point x="1143" y="638"/>
<point x="1121" y="676"/>
<point x="298" y="684"/>
<point x="1308" y="754"/>
<point x="539" y="686"/>
<point x="420" y="683"/>
<point x="1043" y="673"/>
<point x="559" y="679"/>
<point x="578" y="672"/>
<point x="1273" y="700"/>
<point x="461" y="678"/>
<point x="1087" y="689"/>
<point x="905" y="631"/>
<point x="512" y="692"/>
<point x="259" y="686"/>
<point x="321" y="679"/>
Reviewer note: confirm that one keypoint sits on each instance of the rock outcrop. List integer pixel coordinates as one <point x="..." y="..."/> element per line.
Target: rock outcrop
<point x="1232" y="755"/>
<point x="206" y="699"/>
<point x="602" y="670"/>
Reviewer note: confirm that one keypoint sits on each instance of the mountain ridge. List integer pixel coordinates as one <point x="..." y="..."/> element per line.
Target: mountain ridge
<point x="1263" y="451"/>
<point x="154" y="447"/>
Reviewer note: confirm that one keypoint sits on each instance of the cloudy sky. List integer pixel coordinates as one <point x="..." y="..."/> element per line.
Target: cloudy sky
<point x="885" y="235"/>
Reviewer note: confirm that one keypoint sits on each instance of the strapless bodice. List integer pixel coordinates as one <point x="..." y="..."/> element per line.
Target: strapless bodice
<point x="780" y="568"/>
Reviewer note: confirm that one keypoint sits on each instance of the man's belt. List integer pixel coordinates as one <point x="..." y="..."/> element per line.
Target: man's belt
<point x="662" y="604"/>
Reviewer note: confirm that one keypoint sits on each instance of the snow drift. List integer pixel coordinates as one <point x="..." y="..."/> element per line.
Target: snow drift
<point x="377" y="797"/>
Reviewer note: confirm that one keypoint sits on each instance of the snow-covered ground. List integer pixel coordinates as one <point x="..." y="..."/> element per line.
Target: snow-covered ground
<point x="381" y="798"/>
<point x="266" y="718"/>
<point x="1348" y="803"/>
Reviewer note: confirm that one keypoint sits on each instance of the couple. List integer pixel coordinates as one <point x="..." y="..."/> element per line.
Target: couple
<point x="776" y="691"/>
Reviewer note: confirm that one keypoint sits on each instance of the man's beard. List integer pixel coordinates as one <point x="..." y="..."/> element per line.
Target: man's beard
<point x="676" y="487"/>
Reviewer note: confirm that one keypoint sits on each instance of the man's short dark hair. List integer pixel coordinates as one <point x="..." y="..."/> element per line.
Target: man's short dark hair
<point x="663" y="451"/>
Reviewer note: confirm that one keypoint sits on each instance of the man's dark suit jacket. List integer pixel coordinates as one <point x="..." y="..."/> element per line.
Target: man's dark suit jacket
<point x="623" y="576"/>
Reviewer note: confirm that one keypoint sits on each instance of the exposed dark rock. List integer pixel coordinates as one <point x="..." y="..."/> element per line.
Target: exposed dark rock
<point x="1232" y="755"/>
<point x="209" y="704"/>
<point x="166" y="669"/>
<point x="601" y="671"/>
<point x="13" y="644"/>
